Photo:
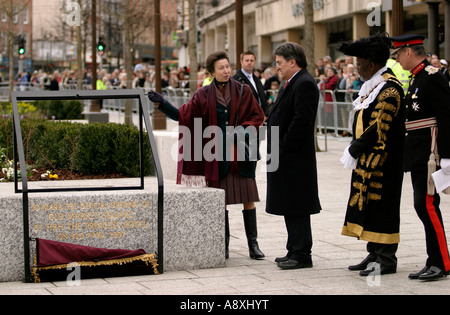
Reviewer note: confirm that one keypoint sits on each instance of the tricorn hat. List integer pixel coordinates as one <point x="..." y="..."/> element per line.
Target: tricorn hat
<point x="375" y="48"/>
<point x="408" y="40"/>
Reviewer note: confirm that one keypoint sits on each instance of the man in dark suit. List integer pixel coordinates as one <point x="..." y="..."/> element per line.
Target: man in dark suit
<point x="292" y="189"/>
<point x="245" y="74"/>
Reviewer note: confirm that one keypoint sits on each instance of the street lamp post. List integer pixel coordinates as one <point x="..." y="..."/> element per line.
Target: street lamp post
<point x="239" y="7"/>
<point x="95" y="106"/>
<point x="397" y="18"/>
<point x="159" y="120"/>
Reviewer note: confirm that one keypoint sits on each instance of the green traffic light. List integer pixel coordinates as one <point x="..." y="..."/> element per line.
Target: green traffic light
<point x="21" y="51"/>
<point x="101" y="47"/>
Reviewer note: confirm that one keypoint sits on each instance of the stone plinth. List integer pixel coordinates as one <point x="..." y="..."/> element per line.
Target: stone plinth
<point x="126" y="219"/>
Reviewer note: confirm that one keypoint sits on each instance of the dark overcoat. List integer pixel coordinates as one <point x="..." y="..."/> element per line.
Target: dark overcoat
<point x="292" y="188"/>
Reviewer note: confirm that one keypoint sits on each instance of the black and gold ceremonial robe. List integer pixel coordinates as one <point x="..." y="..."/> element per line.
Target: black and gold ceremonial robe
<point x="373" y="211"/>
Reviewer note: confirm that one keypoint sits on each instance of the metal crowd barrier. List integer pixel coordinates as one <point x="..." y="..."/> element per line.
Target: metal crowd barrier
<point x="176" y="96"/>
<point x="18" y="87"/>
<point x="335" y="115"/>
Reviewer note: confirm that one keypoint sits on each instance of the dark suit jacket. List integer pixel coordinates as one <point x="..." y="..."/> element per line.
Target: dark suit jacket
<point x="259" y="94"/>
<point x="428" y="96"/>
<point x="292" y="189"/>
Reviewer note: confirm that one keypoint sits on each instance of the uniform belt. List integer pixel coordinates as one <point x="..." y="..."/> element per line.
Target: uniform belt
<point x="421" y="124"/>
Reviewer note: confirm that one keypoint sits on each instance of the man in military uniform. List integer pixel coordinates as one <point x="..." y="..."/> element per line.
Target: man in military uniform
<point x="427" y="112"/>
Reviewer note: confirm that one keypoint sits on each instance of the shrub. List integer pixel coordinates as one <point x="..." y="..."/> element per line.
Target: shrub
<point x="25" y="109"/>
<point x="60" y="109"/>
<point x="85" y="148"/>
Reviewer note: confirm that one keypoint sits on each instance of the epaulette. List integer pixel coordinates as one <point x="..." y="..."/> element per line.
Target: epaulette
<point x="431" y="70"/>
<point x="392" y="78"/>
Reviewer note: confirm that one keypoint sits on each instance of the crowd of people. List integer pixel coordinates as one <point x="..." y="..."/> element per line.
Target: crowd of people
<point x="143" y="76"/>
<point x="343" y="75"/>
<point x="340" y="74"/>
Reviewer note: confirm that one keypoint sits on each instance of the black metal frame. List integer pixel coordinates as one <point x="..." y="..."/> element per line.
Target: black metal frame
<point x="85" y="95"/>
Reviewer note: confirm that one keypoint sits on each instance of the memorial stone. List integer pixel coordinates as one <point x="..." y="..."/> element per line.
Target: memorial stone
<point x="125" y="219"/>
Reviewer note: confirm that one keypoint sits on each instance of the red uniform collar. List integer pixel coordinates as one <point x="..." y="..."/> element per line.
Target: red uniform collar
<point x="418" y="68"/>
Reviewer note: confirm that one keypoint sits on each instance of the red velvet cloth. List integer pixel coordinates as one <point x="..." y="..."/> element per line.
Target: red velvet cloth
<point x="203" y="104"/>
<point x="50" y="253"/>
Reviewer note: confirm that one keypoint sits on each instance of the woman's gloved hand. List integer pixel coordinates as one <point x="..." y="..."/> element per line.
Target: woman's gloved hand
<point x="155" y="97"/>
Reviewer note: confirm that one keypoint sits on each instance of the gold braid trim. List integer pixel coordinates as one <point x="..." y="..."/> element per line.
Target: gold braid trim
<point x="391" y="92"/>
<point x="392" y="78"/>
<point x="378" y="174"/>
<point x="355" y="230"/>
<point x="376" y="185"/>
<point x="372" y="196"/>
<point x="386" y="117"/>
<point x="383" y="115"/>
<point x="147" y="258"/>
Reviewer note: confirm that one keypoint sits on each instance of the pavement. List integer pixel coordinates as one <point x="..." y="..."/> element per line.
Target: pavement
<point x="332" y="253"/>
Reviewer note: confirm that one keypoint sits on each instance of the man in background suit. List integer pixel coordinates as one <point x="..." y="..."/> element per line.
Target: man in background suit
<point x="245" y="74"/>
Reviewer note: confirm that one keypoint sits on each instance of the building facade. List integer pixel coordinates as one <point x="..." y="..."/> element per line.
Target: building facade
<point x="21" y="15"/>
<point x="51" y="41"/>
<point x="268" y="23"/>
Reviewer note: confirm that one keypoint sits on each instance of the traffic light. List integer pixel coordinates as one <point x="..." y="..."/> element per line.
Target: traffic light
<point x="21" y="46"/>
<point x="101" y="46"/>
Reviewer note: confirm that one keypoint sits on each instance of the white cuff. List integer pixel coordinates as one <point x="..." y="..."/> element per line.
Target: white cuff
<point x="445" y="165"/>
<point x="349" y="161"/>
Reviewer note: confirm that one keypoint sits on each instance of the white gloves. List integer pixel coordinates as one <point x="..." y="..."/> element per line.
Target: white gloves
<point x="349" y="161"/>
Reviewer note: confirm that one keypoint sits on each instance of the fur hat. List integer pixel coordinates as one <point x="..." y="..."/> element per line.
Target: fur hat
<point x="375" y="48"/>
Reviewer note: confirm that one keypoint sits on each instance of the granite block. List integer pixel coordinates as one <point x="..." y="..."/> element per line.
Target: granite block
<point x="127" y="219"/>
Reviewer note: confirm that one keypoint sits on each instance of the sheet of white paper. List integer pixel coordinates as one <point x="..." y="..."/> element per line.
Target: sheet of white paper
<point x="441" y="180"/>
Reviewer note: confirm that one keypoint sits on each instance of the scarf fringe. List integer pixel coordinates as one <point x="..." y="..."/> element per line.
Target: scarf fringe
<point x="193" y="181"/>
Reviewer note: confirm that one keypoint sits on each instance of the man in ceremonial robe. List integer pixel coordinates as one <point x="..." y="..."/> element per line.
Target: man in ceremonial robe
<point x="375" y="155"/>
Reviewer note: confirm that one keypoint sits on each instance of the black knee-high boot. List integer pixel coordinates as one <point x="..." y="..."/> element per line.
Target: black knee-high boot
<point x="251" y="232"/>
<point x="227" y="235"/>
